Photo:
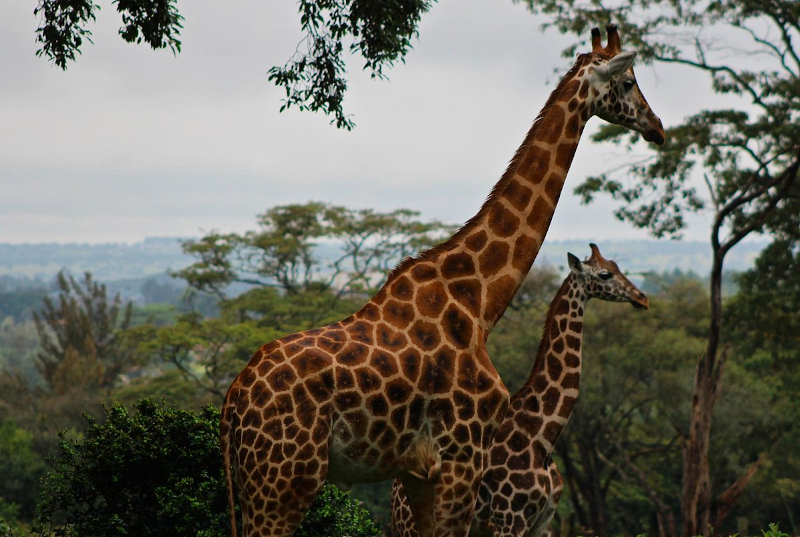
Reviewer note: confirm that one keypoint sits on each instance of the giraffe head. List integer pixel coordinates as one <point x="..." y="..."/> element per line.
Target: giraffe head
<point x="612" y="89"/>
<point x="601" y="278"/>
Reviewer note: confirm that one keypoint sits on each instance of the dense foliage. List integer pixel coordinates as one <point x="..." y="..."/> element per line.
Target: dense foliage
<point x="620" y="455"/>
<point x="155" y="472"/>
<point x="158" y="472"/>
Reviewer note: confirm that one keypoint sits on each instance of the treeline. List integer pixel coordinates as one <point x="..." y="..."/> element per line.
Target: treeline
<point x="621" y="455"/>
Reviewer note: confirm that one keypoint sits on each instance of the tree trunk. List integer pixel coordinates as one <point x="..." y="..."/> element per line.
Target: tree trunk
<point x="593" y="491"/>
<point x="696" y="496"/>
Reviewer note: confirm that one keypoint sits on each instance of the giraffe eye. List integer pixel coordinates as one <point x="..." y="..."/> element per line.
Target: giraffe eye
<point x="605" y="275"/>
<point x="627" y="85"/>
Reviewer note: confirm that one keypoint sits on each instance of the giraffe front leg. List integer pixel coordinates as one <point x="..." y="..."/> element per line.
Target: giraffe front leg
<point x="455" y="495"/>
<point x="279" y="482"/>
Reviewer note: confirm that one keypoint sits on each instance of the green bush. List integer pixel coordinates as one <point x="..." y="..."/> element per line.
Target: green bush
<point x="773" y="531"/>
<point x="6" y="530"/>
<point x="158" y="472"/>
<point x="335" y="514"/>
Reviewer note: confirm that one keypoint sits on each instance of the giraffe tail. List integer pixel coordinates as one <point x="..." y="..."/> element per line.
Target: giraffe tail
<point x="226" y="430"/>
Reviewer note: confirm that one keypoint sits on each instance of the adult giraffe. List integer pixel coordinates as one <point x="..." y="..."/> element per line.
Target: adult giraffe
<point x="404" y="387"/>
<point x="521" y="484"/>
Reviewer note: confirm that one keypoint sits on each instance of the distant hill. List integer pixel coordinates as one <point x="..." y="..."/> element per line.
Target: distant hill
<point x="653" y="255"/>
<point x="112" y="262"/>
<point x="106" y="262"/>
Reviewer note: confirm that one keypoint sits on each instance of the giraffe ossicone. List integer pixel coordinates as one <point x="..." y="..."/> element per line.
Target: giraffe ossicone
<point x="521" y="484"/>
<point x="404" y="387"/>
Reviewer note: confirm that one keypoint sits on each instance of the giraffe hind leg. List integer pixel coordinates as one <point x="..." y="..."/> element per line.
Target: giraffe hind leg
<point x="402" y="524"/>
<point x="445" y="506"/>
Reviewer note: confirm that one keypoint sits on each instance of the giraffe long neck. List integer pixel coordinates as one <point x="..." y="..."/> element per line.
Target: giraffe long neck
<point x="483" y="265"/>
<point x="550" y="393"/>
<point x="518" y="213"/>
<point x="503" y="239"/>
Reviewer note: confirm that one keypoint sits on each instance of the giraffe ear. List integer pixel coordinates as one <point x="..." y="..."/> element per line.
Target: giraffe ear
<point x="575" y="264"/>
<point x="616" y="65"/>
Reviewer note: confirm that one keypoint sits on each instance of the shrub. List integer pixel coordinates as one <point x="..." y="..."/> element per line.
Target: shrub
<point x="6" y="530"/>
<point x="158" y="472"/>
<point x="335" y="514"/>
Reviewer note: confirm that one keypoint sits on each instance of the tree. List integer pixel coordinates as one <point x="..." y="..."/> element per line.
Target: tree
<point x="748" y="156"/>
<point x="765" y="330"/>
<point x="79" y="337"/>
<point x="314" y="77"/>
<point x="207" y="352"/>
<point x="764" y="313"/>
<point x="284" y="255"/>
<point x="157" y="472"/>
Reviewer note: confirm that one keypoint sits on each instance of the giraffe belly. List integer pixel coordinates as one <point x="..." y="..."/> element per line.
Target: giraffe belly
<point x="371" y="457"/>
<point x="347" y="466"/>
<point x="353" y="459"/>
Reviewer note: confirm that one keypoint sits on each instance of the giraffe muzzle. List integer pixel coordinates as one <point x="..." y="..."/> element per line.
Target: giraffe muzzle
<point x="655" y="136"/>
<point x="655" y="133"/>
<point x="640" y="302"/>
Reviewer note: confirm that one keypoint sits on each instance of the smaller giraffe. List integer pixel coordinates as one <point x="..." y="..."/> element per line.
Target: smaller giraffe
<point x="521" y="485"/>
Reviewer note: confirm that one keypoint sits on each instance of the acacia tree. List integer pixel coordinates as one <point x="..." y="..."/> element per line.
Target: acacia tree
<point x="740" y="163"/>
<point x="284" y="252"/>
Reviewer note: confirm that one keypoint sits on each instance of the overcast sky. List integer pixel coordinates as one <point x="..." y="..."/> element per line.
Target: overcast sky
<point x="130" y="142"/>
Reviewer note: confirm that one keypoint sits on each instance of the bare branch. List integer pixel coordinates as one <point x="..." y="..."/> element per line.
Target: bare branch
<point x="711" y="193"/>
<point x="785" y="181"/>
<point x="666" y="519"/>
<point x="776" y="52"/>
<point x="718" y="69"/>
<point x="787" y="40"/>
<point x="729" y="497"/>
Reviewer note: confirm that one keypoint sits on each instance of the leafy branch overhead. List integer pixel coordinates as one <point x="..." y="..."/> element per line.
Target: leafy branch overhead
<point x="63" y="26"/>
<point x="379" y="32"/>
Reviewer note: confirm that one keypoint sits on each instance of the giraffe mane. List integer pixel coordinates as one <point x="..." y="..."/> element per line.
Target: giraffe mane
<point x="499" y="187"/>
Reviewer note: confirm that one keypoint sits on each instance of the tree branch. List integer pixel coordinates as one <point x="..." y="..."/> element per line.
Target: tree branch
<point x="777" y="52"/>
<point x="718" y="69"/>
<point x="728" y="498"/>
<point x="666" y="519"/>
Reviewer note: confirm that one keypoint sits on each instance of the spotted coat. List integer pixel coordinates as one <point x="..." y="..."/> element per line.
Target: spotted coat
<point x="404" y="387"/>
<point x="521" y="485"/>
